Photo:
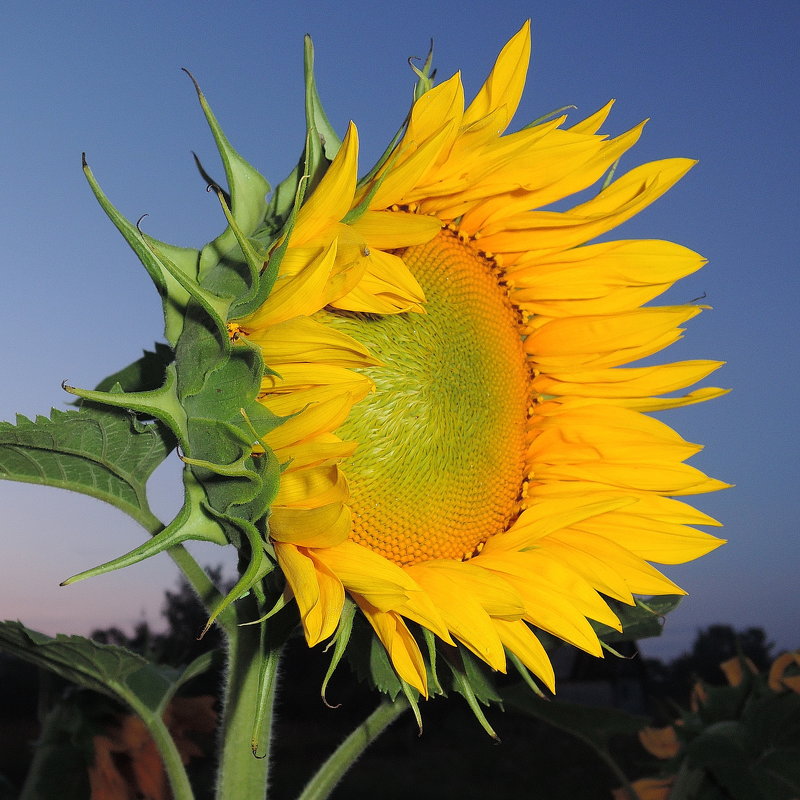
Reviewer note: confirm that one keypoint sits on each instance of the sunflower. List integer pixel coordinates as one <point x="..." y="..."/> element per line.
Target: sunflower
<point x="463" y="447"/>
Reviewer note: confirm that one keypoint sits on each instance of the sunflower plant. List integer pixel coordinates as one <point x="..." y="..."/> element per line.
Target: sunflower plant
<point x="403" y="398"/>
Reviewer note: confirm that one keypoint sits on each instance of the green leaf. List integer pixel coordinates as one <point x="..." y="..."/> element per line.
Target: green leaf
<point x="641" y="621"/>
<point x="103" y="452"/>
<point x="103" y="668"/>
<point x="107" y="669"/>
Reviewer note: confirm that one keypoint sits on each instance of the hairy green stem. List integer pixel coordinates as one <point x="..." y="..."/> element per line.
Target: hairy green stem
<point x="332" y="771"/>
<point x="243" y="773"/>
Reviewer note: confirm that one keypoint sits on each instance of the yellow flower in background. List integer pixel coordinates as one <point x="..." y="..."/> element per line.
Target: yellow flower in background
<point x="465" y="449"/>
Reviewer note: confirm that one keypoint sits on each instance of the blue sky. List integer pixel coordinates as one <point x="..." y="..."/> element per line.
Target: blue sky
<point x="718" y="80"/>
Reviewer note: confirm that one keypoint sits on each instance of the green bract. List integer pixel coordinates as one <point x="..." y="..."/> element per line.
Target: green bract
<point x="202" y="390"/>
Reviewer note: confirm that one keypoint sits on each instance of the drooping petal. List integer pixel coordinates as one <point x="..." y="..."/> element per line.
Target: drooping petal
<point x="318" y="592"/>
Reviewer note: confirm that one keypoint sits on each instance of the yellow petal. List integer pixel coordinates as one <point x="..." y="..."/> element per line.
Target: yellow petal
<point x="663" y="403"/>
<point x="668" y="479"/>
<point x="556" y="614"/>
<point x="300" y="385"/>
<point x="548" y="231"/>
<point x="326" y="526"/>
<point x="605" y="341"/>
<point x="605" y="278"/>
<point x="391" y="230"/>
<point x="305" y="340"/>
<point x="367" y="574"/>
<point x="304" y="427"/>
<point x="520" y="640"/>
<point x="542" y="519"/>
<point x="300" y="295"/>
<point x="319" y="594"/>
<point x="404" y="174"/>
<point x="382" y="584"/>
<point x="551" y="575"/>
<point x="651" y="539"/>
<point x="503" y="87"/>
<point x="312" y="488"/>
<point x="442" y="104"/>
<point x="401" y="646"/>
<point x="606" y="433"/>
<point x="331" y="199"/>
<point x="491" y="592"/>
<point x="387" y="287"/>
<point x="639" y="576"/>
<point x="625" y="383"/>
<point x="323" y="450"/>
<point x="592" y="123"/>
<point x="462" y="613"/>
<point x="603" y="577"/>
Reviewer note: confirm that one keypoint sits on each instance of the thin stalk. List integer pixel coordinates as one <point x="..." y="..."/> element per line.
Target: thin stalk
<point x="170" y="757"/>
<point x="251" y="663"/>
<point x="332" y="771"/>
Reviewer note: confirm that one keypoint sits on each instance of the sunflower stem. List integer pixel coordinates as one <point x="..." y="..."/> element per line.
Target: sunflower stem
<point x="243" y="773"/>
<point x="332" y="771"/>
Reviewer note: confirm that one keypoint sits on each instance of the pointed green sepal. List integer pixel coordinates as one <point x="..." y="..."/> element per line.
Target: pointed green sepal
<point x="323" y="142"/>
<point x="192" y="523"/>
<point x="159" y="403"/>
<point x="256" y="262"/>
<point x="340" y="639"/>
<point x="247" y="189"/>
<point x="258" y="566"/>
<point x="609" y="176"/>
<point x="273" y="638"/>
<point x="147" y="372"/>
<point x="412" y="696"/>
<point x="174" y="297"/>
<point x="434" y="686"/>
<point x="640" y="621"/>
<point x="525" y="674"/>
<point x="281" y="603"/>
<point x="215" y="306"/>
<point x="424" y="76"/>
<point x="554" y="114"/>
<point x="471" y="683"/>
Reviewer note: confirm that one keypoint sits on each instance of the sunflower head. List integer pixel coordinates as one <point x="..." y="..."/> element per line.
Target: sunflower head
<point x="466" y="457"/>
<point x="411" y="391"/>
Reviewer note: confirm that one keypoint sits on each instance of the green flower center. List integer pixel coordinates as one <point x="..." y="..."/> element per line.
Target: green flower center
<point x="442" y="441"/>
